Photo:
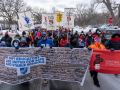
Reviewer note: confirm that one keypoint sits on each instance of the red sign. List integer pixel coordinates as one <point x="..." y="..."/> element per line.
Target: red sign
<point x="105" y="61"/>
<point x="50" y="22"/>
<point x="110" y="20"/>
<point x="68" y="19"/>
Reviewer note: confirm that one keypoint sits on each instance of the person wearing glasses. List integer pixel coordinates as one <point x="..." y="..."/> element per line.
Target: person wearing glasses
<point x="97" y="45"/>
<point x="45" y="42"/>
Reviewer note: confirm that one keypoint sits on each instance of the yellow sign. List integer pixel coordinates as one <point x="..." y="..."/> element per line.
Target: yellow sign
<point x="59" y="17"/>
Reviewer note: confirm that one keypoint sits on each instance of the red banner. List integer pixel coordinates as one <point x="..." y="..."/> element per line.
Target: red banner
<point x="105" y="61"/>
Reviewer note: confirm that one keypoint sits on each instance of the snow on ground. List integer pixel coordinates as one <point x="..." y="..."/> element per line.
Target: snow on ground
<point x="4" y="31"/>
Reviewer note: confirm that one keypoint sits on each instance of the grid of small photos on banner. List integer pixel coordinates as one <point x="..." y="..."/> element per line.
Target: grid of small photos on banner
<point x="63" y="64"/>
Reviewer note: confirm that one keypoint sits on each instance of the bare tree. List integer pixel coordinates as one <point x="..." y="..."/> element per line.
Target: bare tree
<point x="37" y="14"/>
<point x="10" y="8"/>
<point x="112" y="7"/>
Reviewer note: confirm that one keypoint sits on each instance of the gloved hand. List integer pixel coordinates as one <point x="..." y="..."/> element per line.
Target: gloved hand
<point x="90" y="49"/>
<point x="112" y="49"/>
<point x="41" y="46"/>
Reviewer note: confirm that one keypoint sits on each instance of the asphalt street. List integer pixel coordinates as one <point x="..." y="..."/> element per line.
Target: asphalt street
<point x="107" y="82"/>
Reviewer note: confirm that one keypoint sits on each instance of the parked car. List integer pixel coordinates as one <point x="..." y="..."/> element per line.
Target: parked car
<point x="103" y="27"/>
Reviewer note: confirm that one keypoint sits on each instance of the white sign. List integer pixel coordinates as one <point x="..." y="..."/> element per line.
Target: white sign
<point x="44" y="21"/>
<point x="25" y="21"/>
<point x="68" y="18"/>
<point x="51" y="21"/>
<point x="59" y="19"/>
<point x="13" y="27"/>
<point x="23" y="63"/>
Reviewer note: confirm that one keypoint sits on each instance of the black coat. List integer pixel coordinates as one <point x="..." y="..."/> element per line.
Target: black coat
<point x="68" y="44"/>
<point x="7" y="41"/>
<point x="111" y="44"/>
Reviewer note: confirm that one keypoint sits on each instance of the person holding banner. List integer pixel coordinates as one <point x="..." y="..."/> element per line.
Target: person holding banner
<point x="114" y="43"/>
<point x="96" y="45"/>
<point x="73" y="43"/>
<point x="45" y="41"/>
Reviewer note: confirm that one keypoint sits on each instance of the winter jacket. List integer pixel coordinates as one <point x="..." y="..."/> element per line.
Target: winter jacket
<point x="111" y="44"/>
<point x="56" y="41"/>
<point x="32" y="39"/>
<point x="81" y="44"/>
<point x="28" y="39"/>
<point x="68" y="44"/>
<point x="46" y="43"/>
<point x="63" y="42"/>
<point x="7" y="41"/>
<point x="88" y="40"/>
<point x="93" y="46"/>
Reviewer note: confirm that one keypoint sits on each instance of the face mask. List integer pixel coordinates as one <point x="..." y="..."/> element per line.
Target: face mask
<point x="89" y="35"/>
<point x="97" y="43"/>
<point x="6" y="35"/>
<point x="44" y="38"/>
<point x="98" y="32"/>
<point x="82" y="33"/>
<point x="16" y="44"/>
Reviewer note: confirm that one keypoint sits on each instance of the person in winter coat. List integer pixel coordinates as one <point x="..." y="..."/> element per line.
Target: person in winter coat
<point x="81" y="42"/>
<point x="97" y="32"/>
<point x="96" y="45"/>
<point x="63" y="40"/>
<point x="114" y="43"/>
<point x="28" y="39"/>
<point x="73" y="43"/>
<point x="17" y="36"/>
<point x="7" y="39"/>
<point x="16" y="43"/>
<point x="39" y="33"/>
<point x="23" y="43"/>
<point x="76" y="35"/>
<point x="87" y="33"/>
<point x="2" y="44"/>
<point x="57" y="41"/>
<point x="83" y="35"/>
<point x="88" y="39"/>
<point x="32" y="39"/>
<point x="103" y="38"/>
<point x="45" y="41"/>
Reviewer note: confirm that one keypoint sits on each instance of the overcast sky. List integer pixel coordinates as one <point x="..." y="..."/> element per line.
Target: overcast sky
<point x="59" y="4"/>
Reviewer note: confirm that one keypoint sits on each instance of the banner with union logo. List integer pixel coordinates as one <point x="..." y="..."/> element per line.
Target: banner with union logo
<point x="68" y="18"/>
<point x="105" y="61"/>
<point x="51" y="21"/>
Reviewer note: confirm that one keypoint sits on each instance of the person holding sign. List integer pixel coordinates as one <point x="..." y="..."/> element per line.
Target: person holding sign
<point x="45" y="41"/>
<point x="96" y="45"/>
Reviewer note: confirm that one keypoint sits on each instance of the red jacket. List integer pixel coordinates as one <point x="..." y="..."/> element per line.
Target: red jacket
<point x="63" y="42"/>
<point x="32" y="39"/>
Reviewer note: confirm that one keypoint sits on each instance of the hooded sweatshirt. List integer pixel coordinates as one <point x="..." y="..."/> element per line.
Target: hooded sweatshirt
<point x="113" y="42"/>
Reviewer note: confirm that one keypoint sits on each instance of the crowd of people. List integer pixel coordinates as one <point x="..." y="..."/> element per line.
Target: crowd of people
<point x="37" y="38"/>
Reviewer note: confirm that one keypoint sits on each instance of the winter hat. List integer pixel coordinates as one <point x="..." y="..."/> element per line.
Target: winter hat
<point x="72" y="38"/>
<point x="23" y="40"/>
<point x="7" y="34"/>
<point x="80" y="37"/>
<point x="17" y="33"/>
<point x="115" y="34"/>
<point x="23" y="33"/>
<point x="81" y="31"/>
<point x="95" y="36"/>
<point x="97" y="30"/>
<point x="103" y="32"/>
<point x="76" y="31"/>
<point x="43" y="33"/>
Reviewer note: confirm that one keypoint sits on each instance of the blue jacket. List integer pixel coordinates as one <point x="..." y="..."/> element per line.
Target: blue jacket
<point x="46" y="43"/>
<point x="3" y="45"/>
<point x="82" y="44"/>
